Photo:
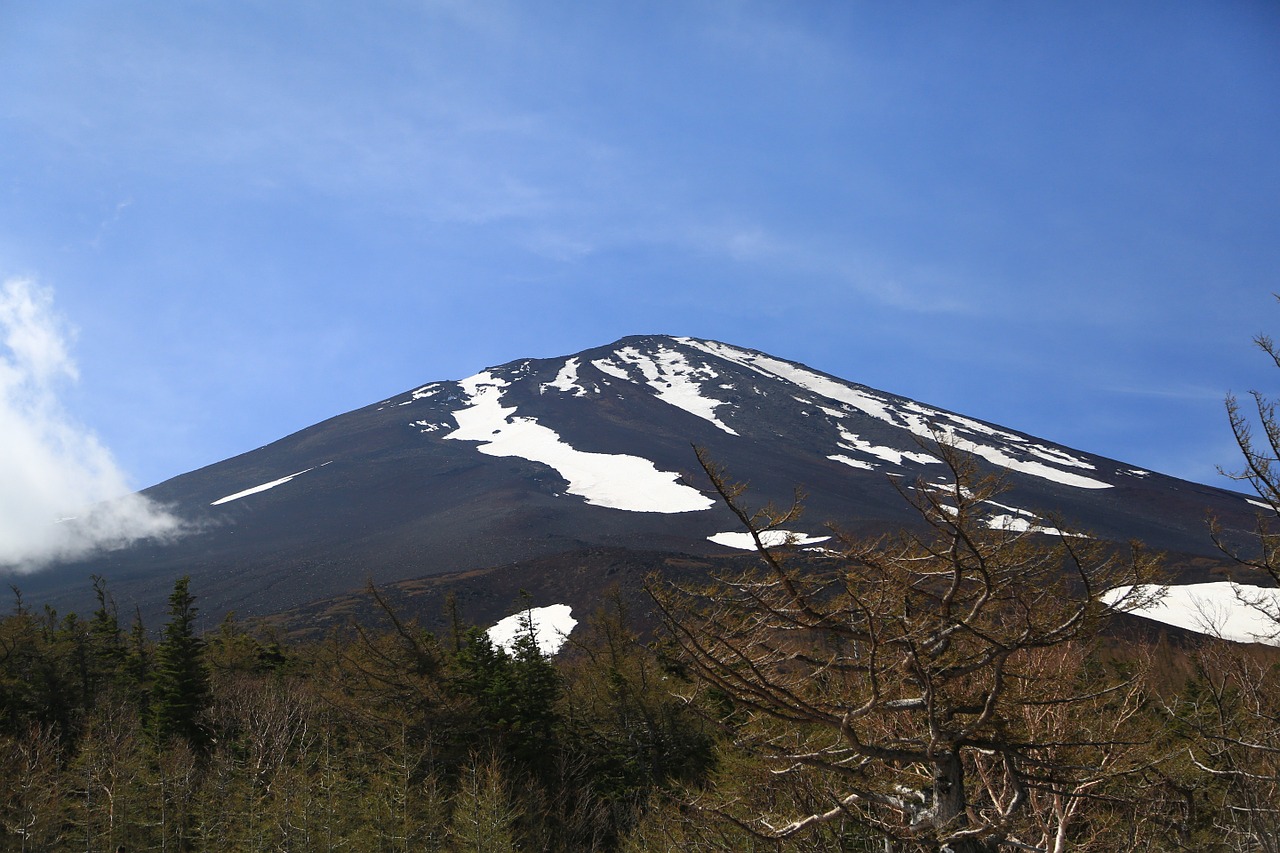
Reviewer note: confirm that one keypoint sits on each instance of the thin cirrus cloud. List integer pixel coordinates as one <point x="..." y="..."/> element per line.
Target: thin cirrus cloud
<point x="62" y="495"/>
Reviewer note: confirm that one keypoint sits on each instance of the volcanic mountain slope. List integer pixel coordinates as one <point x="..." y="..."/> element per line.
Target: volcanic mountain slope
<point x="545" y="456"/>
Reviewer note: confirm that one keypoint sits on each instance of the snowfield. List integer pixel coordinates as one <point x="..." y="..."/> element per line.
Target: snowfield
<point x="617" y="481"/>
<point x="849" y="441"/>
<point x="551" y="628"/>
<point x="567" y="380"/>
<point x="677" y="382"/>
<point x="1231" y="611"/>
<point x="771" y="539"/>
<point x="966" y="434"/>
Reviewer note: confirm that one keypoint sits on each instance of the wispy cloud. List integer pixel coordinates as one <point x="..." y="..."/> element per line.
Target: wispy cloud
<point x="843" y="271"/>
<point x="62" y="494"/>
<point x="1171" y="392"/>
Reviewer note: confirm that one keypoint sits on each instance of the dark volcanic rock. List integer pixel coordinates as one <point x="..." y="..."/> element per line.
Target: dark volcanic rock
<point x="544" y="458"/>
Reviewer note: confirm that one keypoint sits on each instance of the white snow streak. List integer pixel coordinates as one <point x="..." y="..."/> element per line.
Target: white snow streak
<point x="1035" y="469"/>
<point x="771" y="539"/>
<point x="1013" y="520"/>
<point x="677" y="382"/>
<point x="1053" y="454"/>
<point x="1231" y="611"/>
<point x="611" y="480"/>
<point x="604" y="365"/>
<point x="551" y="628"/>
<point x="920" y="420"/>
<point x="888" y="454"/>
<point x="851" y="462"/>
<point x="567" y="379"/>
<point x="253" y="491"/>
<point x="1022" y="524"/>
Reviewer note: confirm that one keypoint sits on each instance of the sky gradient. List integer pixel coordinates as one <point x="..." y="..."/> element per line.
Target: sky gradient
<point x="236" y="219"/>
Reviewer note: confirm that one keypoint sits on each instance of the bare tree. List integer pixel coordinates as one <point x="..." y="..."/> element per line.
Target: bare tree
<point x="896" y="684"/>
<point x="1261" y="455"/>
<point x="1235" y="708"/>
<point x="1104" y="737"/>
<point x="1234" y="716"/>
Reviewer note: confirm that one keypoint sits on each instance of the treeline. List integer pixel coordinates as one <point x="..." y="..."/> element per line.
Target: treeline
<point x="381" y="738"/>
<point x="387" y="738"/>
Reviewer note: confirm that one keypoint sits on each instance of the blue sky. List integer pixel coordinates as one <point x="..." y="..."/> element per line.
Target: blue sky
<point x="245" y="217"/>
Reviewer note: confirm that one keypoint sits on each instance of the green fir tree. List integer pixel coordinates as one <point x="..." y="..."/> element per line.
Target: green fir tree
<point x="180" y="691"/>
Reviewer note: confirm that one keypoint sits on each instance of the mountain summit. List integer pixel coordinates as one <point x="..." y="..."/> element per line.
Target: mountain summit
<point x="539" y="457"/>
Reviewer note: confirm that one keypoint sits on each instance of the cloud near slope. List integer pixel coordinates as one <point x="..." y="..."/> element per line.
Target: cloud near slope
<point x="62" y="495"/>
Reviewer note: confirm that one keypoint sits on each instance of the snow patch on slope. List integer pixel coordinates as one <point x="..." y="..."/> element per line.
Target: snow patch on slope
<point x="888" y="454"/>
<point x="1230" y="611"/>
<point x="617" y="481"/>
<point x="770" y="538"/>
<point x="427" y="426"/>
<point x="264" y="487"/>
<point x="604" y="365"/>
<point x="567" y="380"/>
<point x="919" y="420"/>
<point x="1022" y="524"/>
<point x="851" y="462"/>
<point x="677" y="382"/>
<point x="551" y="628"/>
<point x="1012" y="520"/>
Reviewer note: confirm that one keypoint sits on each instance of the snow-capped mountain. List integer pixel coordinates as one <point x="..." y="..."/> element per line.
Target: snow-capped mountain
<point x="594" y="450"/>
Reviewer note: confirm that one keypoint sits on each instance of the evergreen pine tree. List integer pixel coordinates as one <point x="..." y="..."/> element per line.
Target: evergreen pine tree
<point x="536" y="687"/>
<point x="180" y="690"/>
<point x="137" y="666"/>
<point x="105" y="638"/>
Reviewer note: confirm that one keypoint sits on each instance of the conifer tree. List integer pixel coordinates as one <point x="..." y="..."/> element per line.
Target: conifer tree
<point x="138" y="656"/>
<point x="536" y="687"/>
<point x="20" y="666"/>
<point x="107" y="641"/>
<point x="181" y="686"/>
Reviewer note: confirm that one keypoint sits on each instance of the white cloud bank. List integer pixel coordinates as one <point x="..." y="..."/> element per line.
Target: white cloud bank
<point x="62" y="495"/>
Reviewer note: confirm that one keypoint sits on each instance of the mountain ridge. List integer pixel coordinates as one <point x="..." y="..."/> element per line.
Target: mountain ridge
<point x="535" y="457"/>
